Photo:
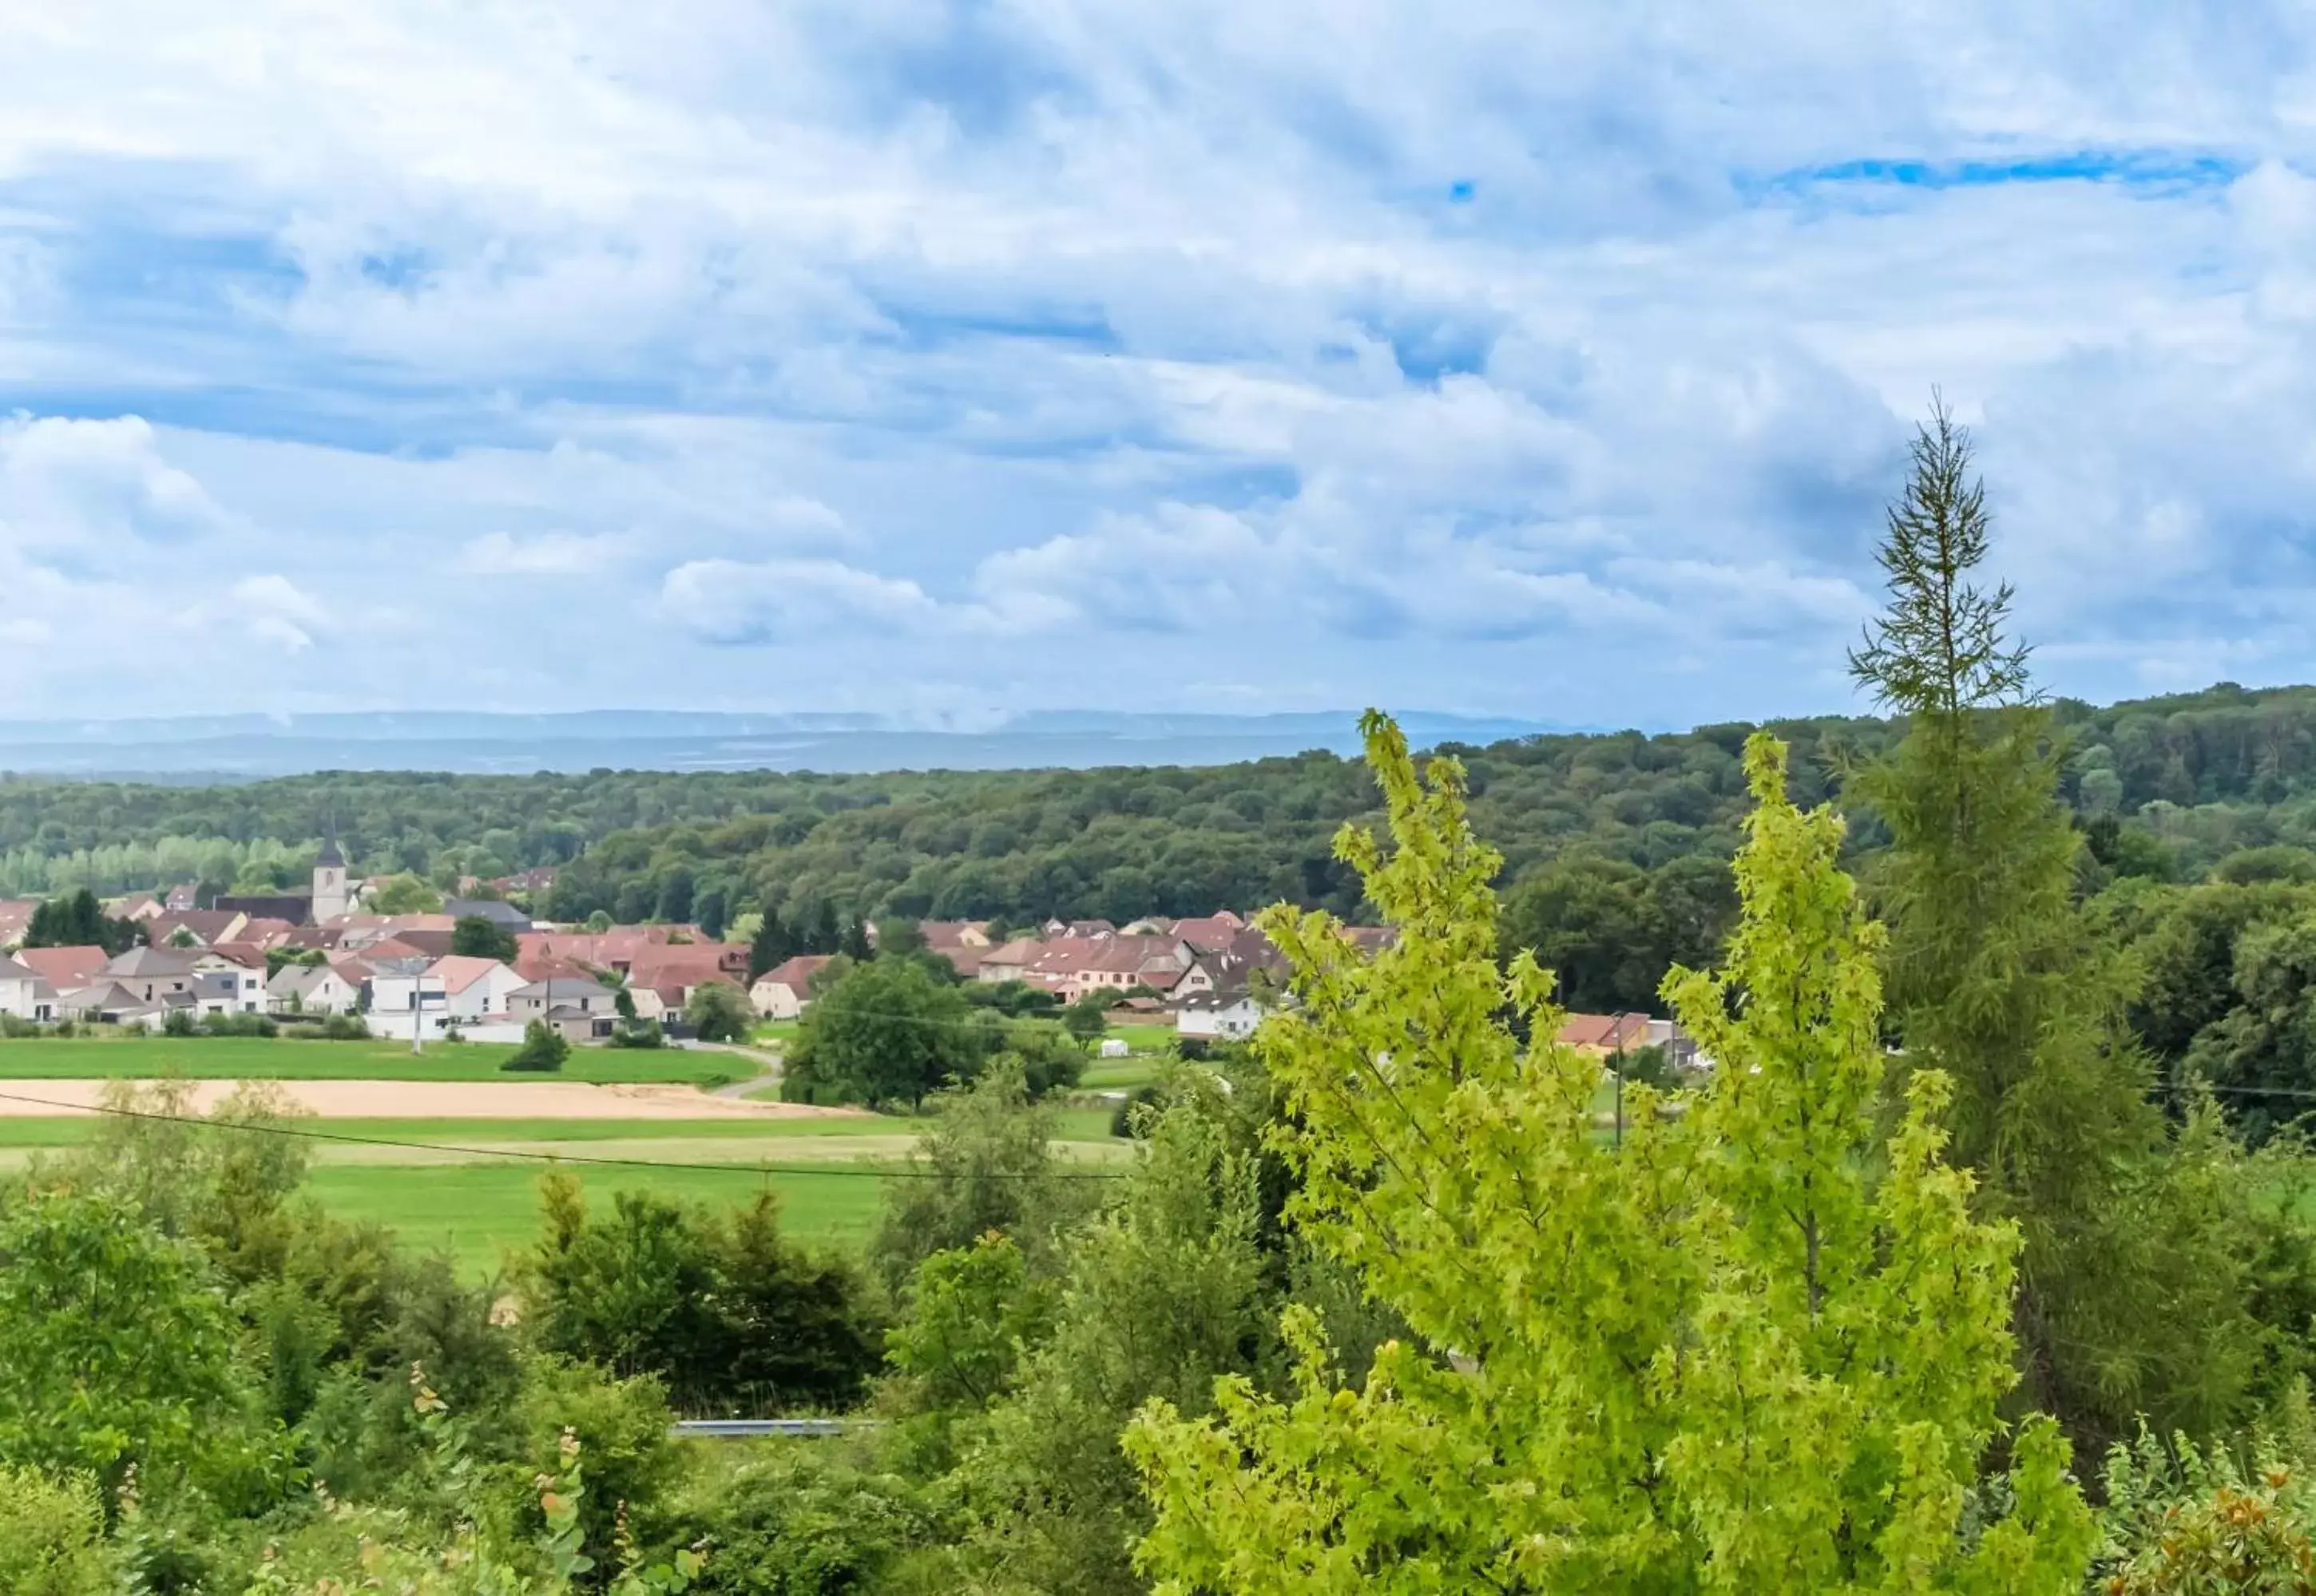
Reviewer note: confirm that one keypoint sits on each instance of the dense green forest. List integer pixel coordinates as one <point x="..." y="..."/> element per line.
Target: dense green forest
<point x="2181" y="782"/>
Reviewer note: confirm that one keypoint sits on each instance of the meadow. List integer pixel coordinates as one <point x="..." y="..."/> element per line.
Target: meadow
<point x="470" y="1187"/>
<point x="137" y="1055"/>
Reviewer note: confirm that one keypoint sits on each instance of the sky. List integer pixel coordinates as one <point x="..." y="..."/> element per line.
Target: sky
<point x="948" y="359"/>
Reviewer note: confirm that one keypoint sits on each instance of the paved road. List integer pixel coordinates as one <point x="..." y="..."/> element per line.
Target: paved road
<point x="767" y="1062"/>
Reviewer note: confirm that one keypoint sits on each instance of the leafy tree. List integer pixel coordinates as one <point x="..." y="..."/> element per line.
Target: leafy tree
<point x="1727" y="1356"/>
<point x="403" y="894"/>
<point x="1995" y="981"/>
<point x="478" y="936"/>
<point x="543" y="1051"/>
<point x="984" y="1168"/>
<point x="676" y="891"/>
<point x="719" y="1011"/>
<point x="898" y="938"/>
<point x="885" y="1032"/>
<point x="122" y="1351"/>
<point x="718" y="1305"/>
<point x="1165" y="1290"/>
<point x="1087" y="1017"/>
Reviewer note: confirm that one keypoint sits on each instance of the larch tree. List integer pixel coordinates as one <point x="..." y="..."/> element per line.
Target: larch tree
<point x="1995" y="981"/>
<point x="1759" y="1348"/>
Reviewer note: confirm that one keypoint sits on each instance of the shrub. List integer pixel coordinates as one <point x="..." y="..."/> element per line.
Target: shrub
<point x="241" y="1024"/>
<point x="720" y="1305"/>
<point x="543" y="1049"/>
<point x="345" y="1027"/>
<point x="52" y="1536"/>
<point x="638" y="1033"/>
<point x="180" y="1022"/>
<point x="1124" y="1121"/>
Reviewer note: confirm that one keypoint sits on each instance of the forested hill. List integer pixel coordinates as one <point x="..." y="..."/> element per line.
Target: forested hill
<point x="2201" y="774"/>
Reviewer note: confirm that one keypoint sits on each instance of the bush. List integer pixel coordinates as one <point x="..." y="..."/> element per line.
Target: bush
<point x="1124" y="1121"/>
<point x="52" y="1536"/>
<point x="543" y="1049"/>
<point x="180" y="1022"/>
<point x="720" y="1305"/>
<point x="240" y="1025"/>
<point x="638" y="1033"/>
<point x="345" y="1027"/>
<point x="2181" y="1520"/>
<point x="802" y="1521"/>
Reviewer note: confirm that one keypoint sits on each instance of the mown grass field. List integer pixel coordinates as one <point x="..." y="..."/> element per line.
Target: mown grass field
<point x="262" y="1058"/>
<point x="471" y="1190"/>
<point x="478" y="1212"/>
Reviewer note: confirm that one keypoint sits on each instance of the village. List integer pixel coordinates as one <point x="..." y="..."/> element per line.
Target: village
<point x="321" y="954"/>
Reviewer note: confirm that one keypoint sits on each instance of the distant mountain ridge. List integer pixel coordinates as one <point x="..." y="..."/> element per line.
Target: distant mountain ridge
<point x="254" y="747"/>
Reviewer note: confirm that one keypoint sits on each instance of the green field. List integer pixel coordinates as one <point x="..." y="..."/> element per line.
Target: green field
<point x="476" y="1201"/>
<point x="477" y="1211"/>
<point x="260" y="1057"/>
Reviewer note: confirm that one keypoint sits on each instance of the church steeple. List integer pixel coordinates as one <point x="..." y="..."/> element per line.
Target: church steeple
<point x="331" y="898"/>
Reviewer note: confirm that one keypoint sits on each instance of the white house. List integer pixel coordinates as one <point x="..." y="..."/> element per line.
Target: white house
<point x="473" y="988"/>
<point x="1220" y="1017"/>
<point x="240" y="986"/>
<point x="400" y="987"/>
<point x="152" y="975"/>
<point x="311" y="988"/>
<point x="782" y="992"/>
<point x="25" y="993"/>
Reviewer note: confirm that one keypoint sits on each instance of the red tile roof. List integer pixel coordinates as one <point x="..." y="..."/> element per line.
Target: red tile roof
<point x="64" y="968"/>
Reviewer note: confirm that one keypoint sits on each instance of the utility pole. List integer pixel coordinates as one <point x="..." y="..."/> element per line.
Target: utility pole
<point x="1616" y="1034"/>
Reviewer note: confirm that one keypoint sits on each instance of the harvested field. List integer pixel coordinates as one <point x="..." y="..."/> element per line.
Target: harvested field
<point x="441" y="1100"/>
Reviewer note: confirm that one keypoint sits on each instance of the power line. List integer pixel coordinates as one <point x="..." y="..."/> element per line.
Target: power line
<point x="277" y="1128"/>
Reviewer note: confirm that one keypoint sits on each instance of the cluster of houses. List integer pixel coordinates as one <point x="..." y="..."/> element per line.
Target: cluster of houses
<point x="319" y="954"/>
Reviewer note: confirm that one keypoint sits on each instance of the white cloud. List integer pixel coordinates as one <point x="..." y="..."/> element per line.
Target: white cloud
<point x="731" y="601"/>
<point x="93" y="487"/>
<point x="878" y="336"/>
<point x="549" y="553"/>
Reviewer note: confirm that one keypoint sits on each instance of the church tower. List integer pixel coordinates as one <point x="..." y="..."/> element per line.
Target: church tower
<point x="330" y="898"/>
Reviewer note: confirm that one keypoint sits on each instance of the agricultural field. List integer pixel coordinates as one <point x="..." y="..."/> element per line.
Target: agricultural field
<point x="142" y="1056"/>
<point x="469" y="1185"/>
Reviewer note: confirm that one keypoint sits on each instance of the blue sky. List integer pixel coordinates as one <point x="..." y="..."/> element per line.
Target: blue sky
<point x="949" y="359"/>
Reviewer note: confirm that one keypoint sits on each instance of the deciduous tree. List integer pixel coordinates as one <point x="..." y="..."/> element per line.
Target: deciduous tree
<point x="1757" y="1347"/>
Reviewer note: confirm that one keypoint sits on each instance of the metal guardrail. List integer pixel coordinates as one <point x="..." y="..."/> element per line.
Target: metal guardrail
<point x="753" y="1429"/>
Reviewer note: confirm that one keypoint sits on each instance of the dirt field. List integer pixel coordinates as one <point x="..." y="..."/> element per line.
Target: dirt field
<point x="439" y="1100"/>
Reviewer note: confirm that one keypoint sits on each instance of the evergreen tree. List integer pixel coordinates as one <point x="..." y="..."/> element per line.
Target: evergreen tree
<point x="707" y="911"/>
<point x="855" y="944"/>
<point x="771" y="946"/>
<point x="825" y="937"/>
<point x="1759" y="1347"/>
<point x="1994" y="980"/>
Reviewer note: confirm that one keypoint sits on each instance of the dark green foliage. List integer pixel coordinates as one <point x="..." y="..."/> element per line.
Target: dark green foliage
<point x="542" y="1052"/>
<point x="771" y="945"/>
<point x="78" y="921"/>
<point x="478" y="936"/>
<point x="719" y="1011"/>
<point x="1609" y="930"/>
<point x="886" y="1032"/>
<point x="717" y="1305"/>
<point x="986" y="1168"/>
<point x="1994" y="975"/>
<point x="804" y="1521"/>
<point x="121" y="1351"/>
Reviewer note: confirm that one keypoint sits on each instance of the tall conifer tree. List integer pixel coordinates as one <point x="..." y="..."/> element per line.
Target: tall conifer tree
<point x="1993" y="981"/>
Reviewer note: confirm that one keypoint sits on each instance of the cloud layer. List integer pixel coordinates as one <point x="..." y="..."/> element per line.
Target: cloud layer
<point x="944" y="356"/>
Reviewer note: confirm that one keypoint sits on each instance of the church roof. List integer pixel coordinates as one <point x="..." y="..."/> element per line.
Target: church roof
<point x="329" y="856"/>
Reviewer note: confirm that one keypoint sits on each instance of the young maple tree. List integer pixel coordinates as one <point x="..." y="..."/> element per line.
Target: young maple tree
<point x="1755" y="1349"/>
